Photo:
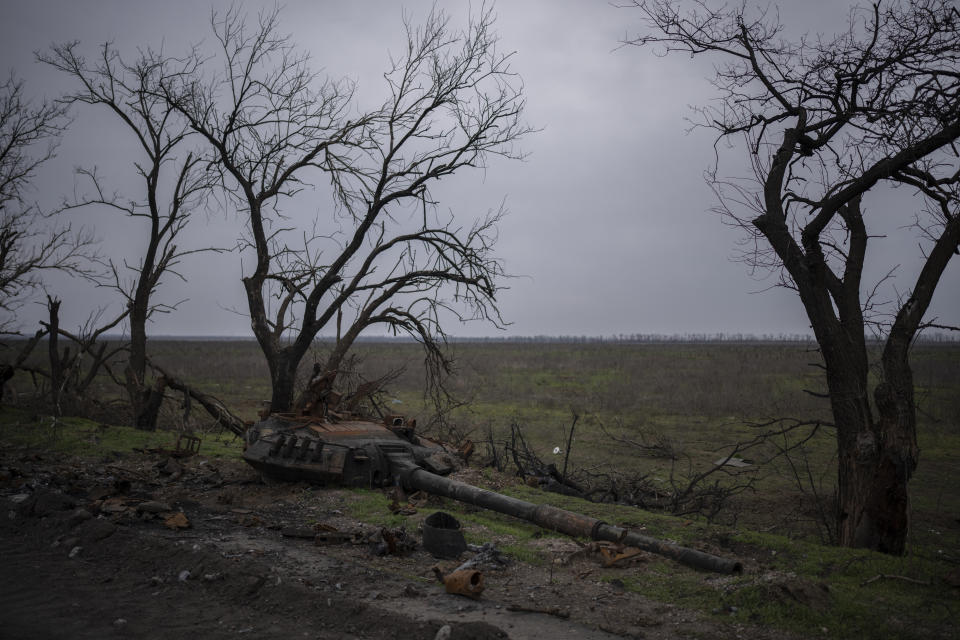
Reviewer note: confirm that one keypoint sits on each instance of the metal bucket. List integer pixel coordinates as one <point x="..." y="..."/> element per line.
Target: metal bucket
<point x="442" y="536"/>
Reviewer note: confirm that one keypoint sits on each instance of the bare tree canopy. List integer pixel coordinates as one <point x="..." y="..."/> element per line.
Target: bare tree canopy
<point x="274" y="126"/>
<point x="825" y="122"/>
<point x="30" y="242"/>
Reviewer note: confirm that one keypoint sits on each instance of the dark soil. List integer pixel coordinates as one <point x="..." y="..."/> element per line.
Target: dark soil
<point x="142" y="547"/>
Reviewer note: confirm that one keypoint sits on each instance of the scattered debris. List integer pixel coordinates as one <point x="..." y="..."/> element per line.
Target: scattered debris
<point x="177" y="521"/>
<point x="171" y="468"/>
<point x="113" y="505"/>
<point x="394" y="542"/>
<point x="396" y="497"/>
<point x="187" y="445"/>
<point x="443" y="536"/>
<point x="617" y="555"/>
<point x="465" y="582"/>
<point x="487" y="557"/>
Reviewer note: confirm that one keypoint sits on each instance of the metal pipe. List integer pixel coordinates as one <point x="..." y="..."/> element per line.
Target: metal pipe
<point x="555" y="519"/>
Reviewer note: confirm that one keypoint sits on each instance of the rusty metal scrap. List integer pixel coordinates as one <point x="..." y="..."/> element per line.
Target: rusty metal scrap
<point x="463" y="582"/>
<point x="614" y="555"/>
<point x="187" y="445"/>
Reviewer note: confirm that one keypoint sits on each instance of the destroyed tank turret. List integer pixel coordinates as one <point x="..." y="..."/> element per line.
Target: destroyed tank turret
<point x="361" y="453"/>
<point x="350" y="452"/>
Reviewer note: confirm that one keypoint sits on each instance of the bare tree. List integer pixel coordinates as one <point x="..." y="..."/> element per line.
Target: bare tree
<point x="825" y="122"/>
<point x="68" y="376"/>
<point x="30" y="242"/>
<point x="175" y="184"/>
<point x="394" y="261"/>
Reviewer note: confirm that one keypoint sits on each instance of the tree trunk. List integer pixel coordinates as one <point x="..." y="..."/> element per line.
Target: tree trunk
<point x="56" y="370"/>
<point x="877" y="456"/>
<point x="887" y="507"/>
<point x="145" y="400"/>
<point x="283" y="377"/>
<point x="7" y="370"/>
<point x="147" y="406"/>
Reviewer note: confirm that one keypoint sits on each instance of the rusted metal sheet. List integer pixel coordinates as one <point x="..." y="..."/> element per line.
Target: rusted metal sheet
<point x="187" y="445"/>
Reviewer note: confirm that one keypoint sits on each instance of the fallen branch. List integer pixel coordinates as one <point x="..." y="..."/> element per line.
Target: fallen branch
<point x="888" y="576"/>
<point x="223" y="416"/>
<point x="552" y="611"/>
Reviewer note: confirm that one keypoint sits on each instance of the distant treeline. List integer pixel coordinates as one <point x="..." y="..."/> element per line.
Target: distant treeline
<point x="632" y="338"/>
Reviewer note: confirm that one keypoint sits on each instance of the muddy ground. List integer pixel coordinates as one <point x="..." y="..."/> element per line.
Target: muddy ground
<point x="142" y="546"/>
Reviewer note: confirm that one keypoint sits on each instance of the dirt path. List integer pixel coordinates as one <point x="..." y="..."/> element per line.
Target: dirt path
<point x="86" y="554"/>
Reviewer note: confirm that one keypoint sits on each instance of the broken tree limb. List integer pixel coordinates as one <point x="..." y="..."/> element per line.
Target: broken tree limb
<point x="550" y="611"/>
<point x="214" y="406"/>
<point x="888" y="576"/>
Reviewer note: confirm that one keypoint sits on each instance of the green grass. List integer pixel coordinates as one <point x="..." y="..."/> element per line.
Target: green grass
<point x="792" y="585"/>
<point x="82" y="437"/>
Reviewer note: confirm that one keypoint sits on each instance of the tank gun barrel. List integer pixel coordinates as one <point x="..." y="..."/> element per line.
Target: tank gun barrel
<point x="573" y="524"/>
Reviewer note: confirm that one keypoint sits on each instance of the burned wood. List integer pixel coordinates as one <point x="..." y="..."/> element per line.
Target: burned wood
<point x="311" y="401"/>
<point x="219" y="411"/>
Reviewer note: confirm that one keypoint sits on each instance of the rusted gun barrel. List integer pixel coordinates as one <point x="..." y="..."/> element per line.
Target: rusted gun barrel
<point x="548" y="517"/>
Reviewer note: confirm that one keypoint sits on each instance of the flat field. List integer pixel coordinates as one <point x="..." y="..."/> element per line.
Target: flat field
<point x="658" y="414"/>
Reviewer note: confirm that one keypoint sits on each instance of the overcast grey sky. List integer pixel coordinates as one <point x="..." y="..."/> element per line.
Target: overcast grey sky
<point x="609" y="228"/>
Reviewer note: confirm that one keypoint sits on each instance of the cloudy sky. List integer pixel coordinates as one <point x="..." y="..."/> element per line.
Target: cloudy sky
<point x="609" y="229"/>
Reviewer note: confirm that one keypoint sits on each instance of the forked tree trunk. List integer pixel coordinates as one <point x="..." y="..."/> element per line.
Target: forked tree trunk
<point x="876" y="455"/>
<point x="885" y="516"/>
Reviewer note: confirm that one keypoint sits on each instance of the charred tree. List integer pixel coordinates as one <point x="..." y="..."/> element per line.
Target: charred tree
<point x="174" y="185"/>
<point x="31" y="241"/>
<point x="274" y="126"/>
<point x="827" y="122"/>
<point x="8" y="369"/>
<point x="53" y="353"/>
